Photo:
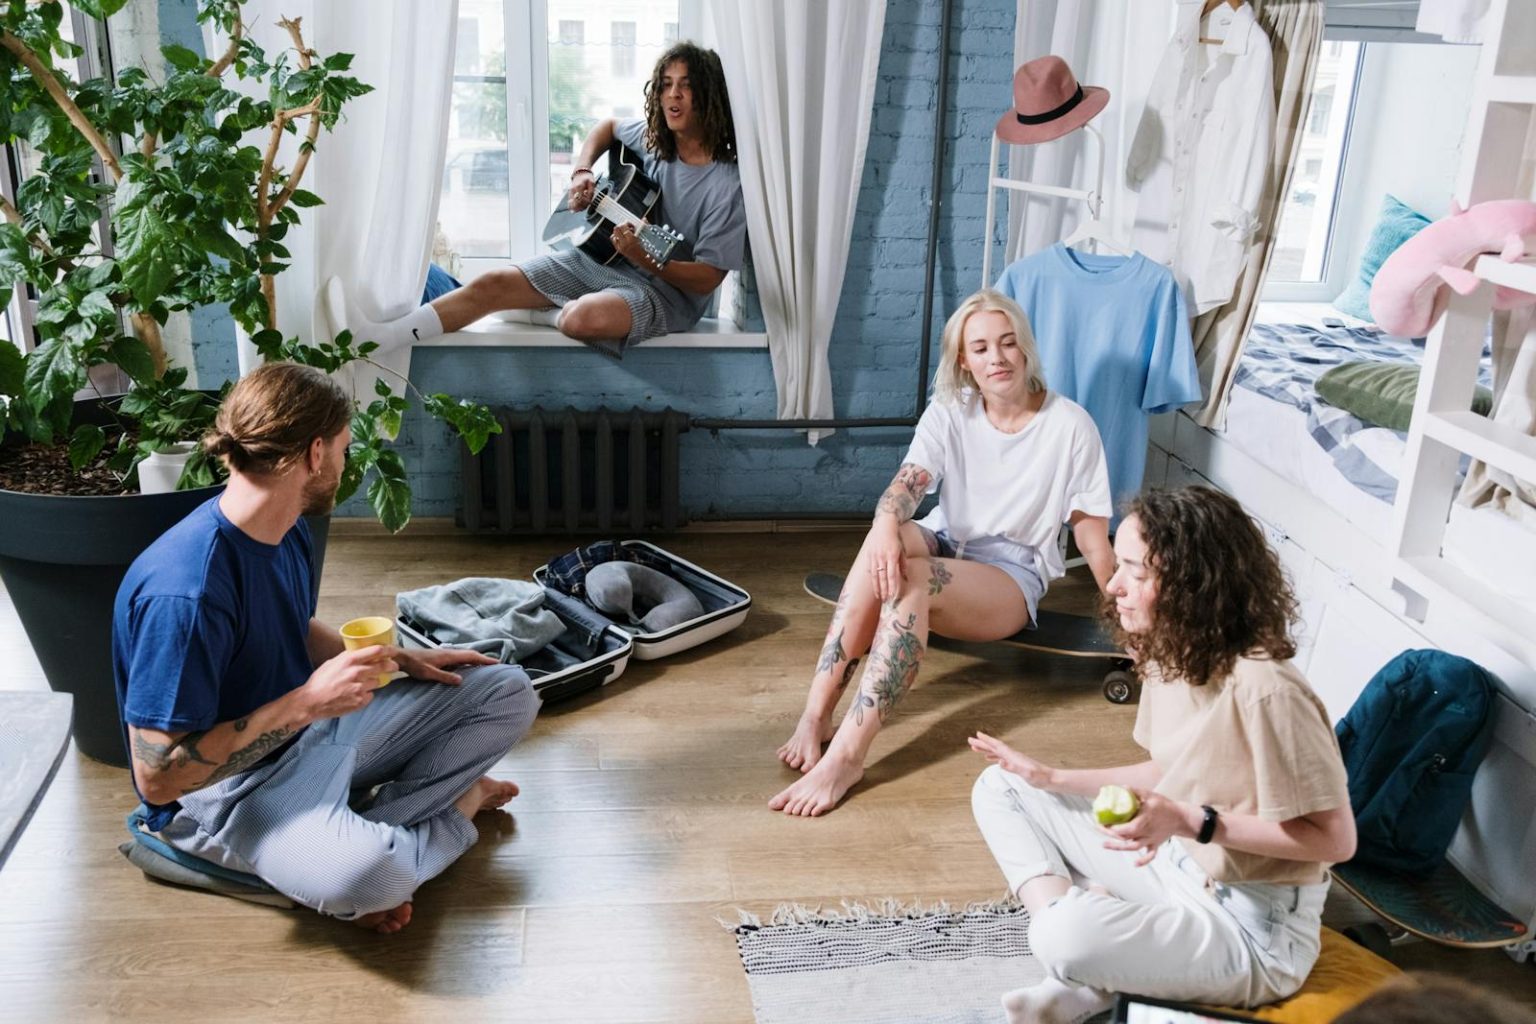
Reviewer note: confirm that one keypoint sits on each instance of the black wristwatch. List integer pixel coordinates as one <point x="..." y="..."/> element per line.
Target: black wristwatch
<point x="1207" y="824"/>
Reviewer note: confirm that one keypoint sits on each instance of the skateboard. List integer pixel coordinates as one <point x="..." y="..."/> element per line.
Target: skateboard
<point x="1443" y="907"/>
<point x="1076" y="636"/>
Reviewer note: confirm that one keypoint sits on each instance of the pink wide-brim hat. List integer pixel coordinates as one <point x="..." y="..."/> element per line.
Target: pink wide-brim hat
<point x="1048" y="103"/>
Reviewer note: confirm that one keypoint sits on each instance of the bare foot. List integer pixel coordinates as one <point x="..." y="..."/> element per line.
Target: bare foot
<point x="820" y="790"/>
<point x="804" y="748"/>
<point x="386" y="922"/>
<point x="486" y="794"/>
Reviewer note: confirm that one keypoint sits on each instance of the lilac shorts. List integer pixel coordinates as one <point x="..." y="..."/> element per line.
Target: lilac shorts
<point x="1017" y="560"/>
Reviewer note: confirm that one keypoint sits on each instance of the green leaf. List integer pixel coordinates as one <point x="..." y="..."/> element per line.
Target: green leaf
<point x="52" y="370"/>
<point x="181" y="58"/>
<point x="473" y="421"/>
<point x="15" y="254"/>
<point x="337" y="62"/>
<point x="97" y="306"/>
<point x="102" y="9"/>
<point x="13" y="369"/>
<point x="145" y="252"/>
<point x="301" y="198"/>
<point x="85" y="444"/>
<point x="390" y="496"/>
<point x="132" y="357"/>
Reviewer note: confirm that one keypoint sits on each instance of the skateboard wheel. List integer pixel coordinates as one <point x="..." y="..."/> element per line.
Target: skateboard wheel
<point x="1372" y="936"/>
<point x="1120" y="687"/>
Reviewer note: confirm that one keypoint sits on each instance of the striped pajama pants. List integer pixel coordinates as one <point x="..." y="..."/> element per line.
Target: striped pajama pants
<point x="306" y="824"/>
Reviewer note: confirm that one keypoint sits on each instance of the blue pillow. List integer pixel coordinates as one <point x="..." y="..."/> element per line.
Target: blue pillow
<point x="1397" y="223"/>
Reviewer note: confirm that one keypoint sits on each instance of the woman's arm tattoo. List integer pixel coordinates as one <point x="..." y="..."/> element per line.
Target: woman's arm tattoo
<point x="906" y="492"/>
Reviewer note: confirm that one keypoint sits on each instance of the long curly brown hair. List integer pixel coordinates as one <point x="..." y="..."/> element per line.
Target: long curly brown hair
<point x="1221" y="593"/>
<point x="711" y="104"/>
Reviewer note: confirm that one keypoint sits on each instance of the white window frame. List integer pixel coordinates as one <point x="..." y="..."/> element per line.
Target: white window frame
<point x="1336" y="265"/>
<point x="526" y="26"/>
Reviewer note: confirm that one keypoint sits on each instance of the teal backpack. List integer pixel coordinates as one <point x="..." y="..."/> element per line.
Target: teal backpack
<point x="1411" y="744"/>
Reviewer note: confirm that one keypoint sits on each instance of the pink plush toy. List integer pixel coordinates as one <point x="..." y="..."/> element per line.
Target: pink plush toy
<point x="1408" y="294"/>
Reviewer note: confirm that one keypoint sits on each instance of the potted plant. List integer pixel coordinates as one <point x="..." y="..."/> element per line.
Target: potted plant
<point x="197" y="215"/>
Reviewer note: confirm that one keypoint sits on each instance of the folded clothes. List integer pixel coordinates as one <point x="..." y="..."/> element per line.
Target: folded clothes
<point x="505" y="619"/>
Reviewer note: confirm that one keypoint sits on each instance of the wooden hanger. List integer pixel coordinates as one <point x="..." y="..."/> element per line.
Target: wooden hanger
<point x="1208" y="7"/>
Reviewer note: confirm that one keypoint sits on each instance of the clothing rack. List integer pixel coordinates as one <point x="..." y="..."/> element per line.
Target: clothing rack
<point x="1094" y="197"/>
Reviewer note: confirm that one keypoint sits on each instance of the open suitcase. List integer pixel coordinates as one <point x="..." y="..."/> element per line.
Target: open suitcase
<point x="594" y="650"/>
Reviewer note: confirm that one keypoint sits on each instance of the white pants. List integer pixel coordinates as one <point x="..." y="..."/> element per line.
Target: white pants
<point x="1167" y="931"/>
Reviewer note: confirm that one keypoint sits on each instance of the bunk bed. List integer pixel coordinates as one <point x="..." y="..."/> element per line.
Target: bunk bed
<point x="1406" y="566"/>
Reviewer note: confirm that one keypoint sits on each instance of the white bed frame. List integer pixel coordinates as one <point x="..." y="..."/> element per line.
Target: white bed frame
<point x="1365" y="597"/>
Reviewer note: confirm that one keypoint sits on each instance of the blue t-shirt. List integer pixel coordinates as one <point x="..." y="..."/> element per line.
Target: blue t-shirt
<point x="209" y="625"/>
<point x="1113" y="334"/>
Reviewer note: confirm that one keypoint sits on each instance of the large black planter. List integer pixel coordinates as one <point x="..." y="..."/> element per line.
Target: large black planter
<point x="61" y="559"/>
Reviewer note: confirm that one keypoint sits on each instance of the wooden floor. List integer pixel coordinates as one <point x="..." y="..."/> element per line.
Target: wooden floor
<point x="642" y="824"/>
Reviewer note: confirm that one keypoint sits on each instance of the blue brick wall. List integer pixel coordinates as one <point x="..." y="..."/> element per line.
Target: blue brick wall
<point x="874" y="351"/>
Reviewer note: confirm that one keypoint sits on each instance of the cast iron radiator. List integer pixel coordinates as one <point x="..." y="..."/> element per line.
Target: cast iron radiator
<point x="565" y="471"/>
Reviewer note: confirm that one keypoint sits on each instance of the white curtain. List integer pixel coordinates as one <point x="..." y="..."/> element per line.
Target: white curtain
<point x="380" y="171"/>
<point x="1109" y="43"/>
<point x="801" y="75"/>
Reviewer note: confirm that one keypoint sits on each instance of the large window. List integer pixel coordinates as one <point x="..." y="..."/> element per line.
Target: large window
<point x="521" y="111"/>
<point x="1304" y="237"/>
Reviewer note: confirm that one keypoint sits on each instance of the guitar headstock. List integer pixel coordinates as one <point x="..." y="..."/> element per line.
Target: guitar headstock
<point x="658" y="241"/>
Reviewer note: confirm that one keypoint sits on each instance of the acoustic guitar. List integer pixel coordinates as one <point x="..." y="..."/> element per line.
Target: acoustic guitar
<point x="624" y="195"/>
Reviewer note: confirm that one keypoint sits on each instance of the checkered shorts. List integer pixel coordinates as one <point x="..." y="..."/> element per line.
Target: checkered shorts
<point x="570" y="273"/>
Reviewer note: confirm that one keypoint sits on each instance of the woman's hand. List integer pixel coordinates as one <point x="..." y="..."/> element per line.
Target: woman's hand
<point x="430" y="665"/>
<point x="583" y="187"/>
<point x="887" y="559"/>
<point x="1159" y="820"/>
<point x="1027" y="768"/>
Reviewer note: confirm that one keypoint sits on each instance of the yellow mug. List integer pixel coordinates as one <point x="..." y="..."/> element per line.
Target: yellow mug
<point x="369" y="631"/>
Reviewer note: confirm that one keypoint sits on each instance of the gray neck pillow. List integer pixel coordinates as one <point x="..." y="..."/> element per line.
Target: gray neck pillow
<point x="640" y="595"/>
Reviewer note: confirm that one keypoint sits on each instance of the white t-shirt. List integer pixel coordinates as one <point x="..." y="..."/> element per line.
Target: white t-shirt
<point x="1021" y="486"/>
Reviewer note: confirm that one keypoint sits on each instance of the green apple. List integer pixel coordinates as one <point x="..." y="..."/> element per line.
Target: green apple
<point x="1115" y="805"/>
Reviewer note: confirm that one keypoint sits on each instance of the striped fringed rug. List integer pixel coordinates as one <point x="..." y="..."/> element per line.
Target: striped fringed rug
<point x="890" y="963"/>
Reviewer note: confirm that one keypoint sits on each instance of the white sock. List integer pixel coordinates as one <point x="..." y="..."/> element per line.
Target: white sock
<point x="419" y="324"/>
<point x="1053" y="1002"/>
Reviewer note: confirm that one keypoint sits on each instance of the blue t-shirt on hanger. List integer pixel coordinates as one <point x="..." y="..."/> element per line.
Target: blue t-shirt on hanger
<point x="1113" y="334"/>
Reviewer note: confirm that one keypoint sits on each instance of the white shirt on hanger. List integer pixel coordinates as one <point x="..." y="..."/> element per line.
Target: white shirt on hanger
<point x="1202" y="149"/>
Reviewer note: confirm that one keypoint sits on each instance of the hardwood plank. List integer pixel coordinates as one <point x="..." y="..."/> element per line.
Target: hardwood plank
<point x="642" y="824"/>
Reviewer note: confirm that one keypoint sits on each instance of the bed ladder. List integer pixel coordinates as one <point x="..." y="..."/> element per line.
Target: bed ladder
<point x="1498" y="162"/>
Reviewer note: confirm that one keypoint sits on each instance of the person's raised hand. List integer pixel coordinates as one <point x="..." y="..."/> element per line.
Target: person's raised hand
<point x="1038" y="775"/>
<point x="583" y="189"/>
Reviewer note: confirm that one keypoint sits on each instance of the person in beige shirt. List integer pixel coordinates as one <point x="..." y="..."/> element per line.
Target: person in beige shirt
<point x="1213" y="892"/>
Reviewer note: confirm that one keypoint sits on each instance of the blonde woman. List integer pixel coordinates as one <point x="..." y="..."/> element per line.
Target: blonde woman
<point x="1015" y="462"/>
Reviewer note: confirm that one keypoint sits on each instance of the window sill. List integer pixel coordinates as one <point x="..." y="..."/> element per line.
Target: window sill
<point x="493" y="333"/>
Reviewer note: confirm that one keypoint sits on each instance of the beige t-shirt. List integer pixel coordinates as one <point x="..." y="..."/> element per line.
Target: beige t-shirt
<point x="1257" y="743"/>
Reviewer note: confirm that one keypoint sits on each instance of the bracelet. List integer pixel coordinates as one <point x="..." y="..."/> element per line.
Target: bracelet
<point x="577" y="170"/>
<point x="1207" y="824"/>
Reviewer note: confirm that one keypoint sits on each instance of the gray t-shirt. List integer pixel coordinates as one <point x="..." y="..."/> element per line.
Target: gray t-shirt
<point x="703" y="203"/>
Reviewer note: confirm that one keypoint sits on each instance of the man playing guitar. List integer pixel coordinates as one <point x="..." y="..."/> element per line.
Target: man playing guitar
<point x="689" y="149"/>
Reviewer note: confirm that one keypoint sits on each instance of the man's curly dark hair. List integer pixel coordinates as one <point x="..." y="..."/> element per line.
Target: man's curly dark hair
<point x="711" y="104"/>
<point x="1221" y="593"/>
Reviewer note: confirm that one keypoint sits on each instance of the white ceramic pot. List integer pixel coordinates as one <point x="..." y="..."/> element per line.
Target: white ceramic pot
<point x="160" y="470"/>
